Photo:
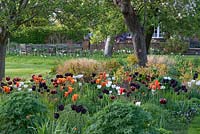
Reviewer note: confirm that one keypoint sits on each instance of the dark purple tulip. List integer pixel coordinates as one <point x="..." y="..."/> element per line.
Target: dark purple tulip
<point x="61" y="107"/>
<point x="74" y="107"/>
<point x="56" y="115"/>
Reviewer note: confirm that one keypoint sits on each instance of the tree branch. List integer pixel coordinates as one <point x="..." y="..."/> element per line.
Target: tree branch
<point x="26" y="20"/>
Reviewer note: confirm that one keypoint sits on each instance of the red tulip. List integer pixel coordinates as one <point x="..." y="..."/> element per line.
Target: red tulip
<point x="163" y="101"/>
<point x="7" y="78"/>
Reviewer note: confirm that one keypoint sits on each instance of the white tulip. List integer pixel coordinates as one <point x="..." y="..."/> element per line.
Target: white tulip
<point x="162" y="87"/>
<point x="198" y="83"/>
<point x="113" y="78"/>
<point x="189" y="84"/>
<point x="113" y="86"/>
<point x="25" y="86"/>
<point x="117" y="87"/>
<point x="108" y="85"/>
<point x="138" y="103"/>
<point x="99" y="86"/>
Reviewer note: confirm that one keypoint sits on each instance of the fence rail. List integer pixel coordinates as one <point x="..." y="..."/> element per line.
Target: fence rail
<point x="62" y="49"/>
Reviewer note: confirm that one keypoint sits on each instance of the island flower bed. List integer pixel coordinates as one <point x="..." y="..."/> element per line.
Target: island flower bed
<point x="125" y="101"/>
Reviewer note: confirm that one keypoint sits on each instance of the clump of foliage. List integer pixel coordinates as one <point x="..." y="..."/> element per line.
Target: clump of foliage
<point x="159" y="115"/>
<point x="69" y="122"/>
<point x="20" y="112"/>
<point x="39" y="34"/>
<point x="174" y="45"/>
<point x="87" y="66"/>
<point x="121" y="118"/>
<point x="80" y="66"/>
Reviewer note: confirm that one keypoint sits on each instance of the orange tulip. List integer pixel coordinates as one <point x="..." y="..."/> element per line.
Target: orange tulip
<point x="17" y="84"/>
<point x="74" y="97"/>
<point x="98" y="81"/>
<point x="61" y="80"/>
<point x="104" y="75"/>
<point x="129" y="79"/>
<point x="66" y="94"/>
<point x="61" y="88"/>
<point x="101" y="77"/>
<point x="155" y="85"/>
<point x="36" y="81"/>
<point x="103" y="84"/>
<point x="70" y="89"/>
<point x="6" y="89"/>
<point x="69" y="78"/>
<point x="72" y="81"/>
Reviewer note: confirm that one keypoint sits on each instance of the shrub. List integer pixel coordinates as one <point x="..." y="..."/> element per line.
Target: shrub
<point x="39" y="34"/>
<point x="174" y="45"/>
<point x="20" y="112"/>
<point x="121" y="118"/>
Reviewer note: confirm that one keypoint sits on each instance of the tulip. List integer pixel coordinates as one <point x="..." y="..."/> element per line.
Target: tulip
<point x="163" y="101"/>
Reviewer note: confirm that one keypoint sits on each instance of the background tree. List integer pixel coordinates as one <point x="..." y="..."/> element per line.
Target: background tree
<point x="13" y="14"/>
<point x="142" y="17"/>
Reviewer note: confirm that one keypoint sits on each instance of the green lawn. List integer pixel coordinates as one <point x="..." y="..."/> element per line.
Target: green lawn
<point x="194" y="127"/>
<point x="25" y="66"/>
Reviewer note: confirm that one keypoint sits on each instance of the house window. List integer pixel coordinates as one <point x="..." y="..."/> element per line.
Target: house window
<point x="157" y="33"/>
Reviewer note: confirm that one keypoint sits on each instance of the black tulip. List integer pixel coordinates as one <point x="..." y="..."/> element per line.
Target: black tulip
<point x="61" y="107"/>
<point x="33" y="88"/>
<point x="100" y="96"/>
<point x="93" y="74"/>
<point x="105" y="91"/>
<point x="83" y="111"/>
<point x="56" y="115"/>
<point x="73" y="107"/>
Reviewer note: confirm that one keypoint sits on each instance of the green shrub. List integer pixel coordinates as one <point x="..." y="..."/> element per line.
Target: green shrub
<point x="20" y="112"/>
<point x="38" y="35"/>
<point x="121" y="118"/>
<point x="174" y="45"/>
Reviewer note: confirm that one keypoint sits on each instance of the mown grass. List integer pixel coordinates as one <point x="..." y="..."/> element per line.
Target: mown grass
<point x="25" y="66"/>
<point x="194" y="127"/>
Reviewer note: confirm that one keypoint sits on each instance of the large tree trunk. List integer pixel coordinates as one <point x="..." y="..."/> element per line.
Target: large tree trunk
<point x="3" y="43"/>
<point x="108" y="47"/>
<point x="135" y="28"/>
<point x="148" y="37"/>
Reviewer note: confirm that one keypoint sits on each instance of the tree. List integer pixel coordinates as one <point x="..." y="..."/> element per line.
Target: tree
<point x="141" y="17"/>
<point x="134" y="26"/>
<point x="13" y="14"/>
<point x="105" y="20"/>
